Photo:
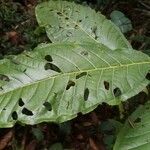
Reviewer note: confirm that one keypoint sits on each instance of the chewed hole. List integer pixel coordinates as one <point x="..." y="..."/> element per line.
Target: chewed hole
<point x="14" y="115"/>
<point x="84" y="53"/>
<point x="59" y="13"/>
<point x="76" y="26"/>
<point x="60" y="27"/>
<point x="70" y="84"/>
<point x="50" y="26"/>
<point x="48" y="106"/>
<point x="148" y="76"/>
<point x="24" y="70"/>
<point x="137" y="120"/>
<point x="27" y="112"/>
<point x="80" y="20"/>
<point x="20" y="102"/>
<point x="48" y="58"/>
<point x="81" y="75"/>
<point x="66" y="18"/>
<point x="106" y="84"/>
<point x="79" y="114"/>
<point x="94" y="29"/>
<point x="1" y="88"/>
<point x="96" y="37"/>
<point x="86" y="94"/>
<point x="52" y="67"/>
<point x="117" y="92"/>
<point x="4" y="77"/>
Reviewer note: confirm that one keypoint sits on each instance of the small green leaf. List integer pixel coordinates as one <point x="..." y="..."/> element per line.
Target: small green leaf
<point x="56" y="146"/>
<point x="109" y="141"/>
<point x="121" y="21"/>
<point x="38" y="134"/>
<point x="110" y="125"/>
<point x="135" y="133"/>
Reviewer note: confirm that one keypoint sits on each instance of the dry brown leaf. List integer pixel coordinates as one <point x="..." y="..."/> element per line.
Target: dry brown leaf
<point x="6" y="139"/>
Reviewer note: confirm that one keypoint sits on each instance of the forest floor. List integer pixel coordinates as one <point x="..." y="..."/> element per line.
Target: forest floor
<point x="97" y="130"/>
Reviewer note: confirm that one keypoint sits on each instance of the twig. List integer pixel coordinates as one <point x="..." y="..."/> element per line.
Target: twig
<point x="145" y="5"/>
<point x="146" y="12"/>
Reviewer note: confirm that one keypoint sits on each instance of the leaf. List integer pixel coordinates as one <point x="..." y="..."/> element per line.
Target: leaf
<point x="38" y="134"/>
<point x="109" y="141"/>
<point x="65" y="128"/>
<point x="110" y="129"/>
<point x="57" y="81"/>
<point x="66" y="21"/>
<point x="110" y="125"/>
<point x="56" y="146"/>
<point x="135" y="135"/>
<point x="121" y="21"/>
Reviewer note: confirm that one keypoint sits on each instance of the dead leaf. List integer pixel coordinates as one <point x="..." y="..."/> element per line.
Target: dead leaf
<point x="6" y="139"/>
<point x="93" y="144"/>
<point x="32" y="145"/>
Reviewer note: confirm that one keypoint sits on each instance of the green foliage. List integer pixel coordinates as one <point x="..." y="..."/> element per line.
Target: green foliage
<point x="121" y="21"/>
<point x="144" y="41"/>
<point x="135" y="133"/>
<point x="110" y="130"/>
<point x="72" y="22"/>
<point x="57" y="81"/>
<point x="88" y="63"/>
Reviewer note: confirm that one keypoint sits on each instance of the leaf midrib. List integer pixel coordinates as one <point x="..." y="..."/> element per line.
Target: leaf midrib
<point x="76" y="72"/>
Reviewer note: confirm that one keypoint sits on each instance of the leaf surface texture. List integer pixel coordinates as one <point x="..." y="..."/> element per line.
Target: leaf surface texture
<point x="57" y="81"/>
<point x="135" y="135"/>
<point x="66" y="21"/>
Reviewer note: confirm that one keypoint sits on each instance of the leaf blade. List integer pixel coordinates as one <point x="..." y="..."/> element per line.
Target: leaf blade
<point x="66" y="21"/>
<point x="137" y="137"/>
<point x="35" y="86"/>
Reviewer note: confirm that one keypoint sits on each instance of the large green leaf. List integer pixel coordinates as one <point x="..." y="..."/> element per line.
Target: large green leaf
<point x="57" y="81"/>
<point x="135" y="135"/>
<point x="66" y="21"/>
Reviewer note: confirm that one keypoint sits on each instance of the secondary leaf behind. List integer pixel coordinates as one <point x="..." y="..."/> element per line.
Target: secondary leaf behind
<point x="135" y="133"/>
<point x="67" y="21"/>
